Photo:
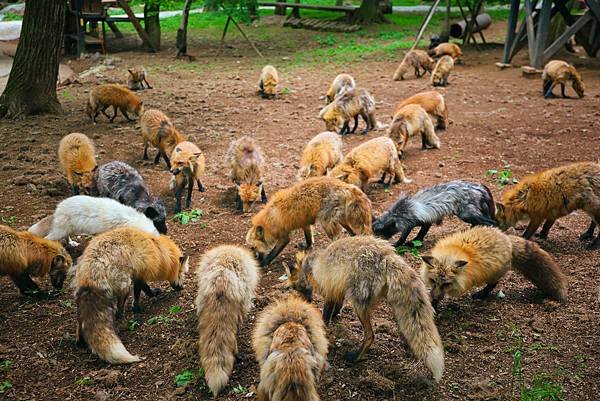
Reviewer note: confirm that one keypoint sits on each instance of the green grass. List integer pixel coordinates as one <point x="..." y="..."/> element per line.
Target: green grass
<point x="12" y="17"/>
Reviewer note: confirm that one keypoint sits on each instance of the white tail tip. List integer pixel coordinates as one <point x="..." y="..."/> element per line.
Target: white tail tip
<point x="435" y="363"/>
<point x="119" y="354"/>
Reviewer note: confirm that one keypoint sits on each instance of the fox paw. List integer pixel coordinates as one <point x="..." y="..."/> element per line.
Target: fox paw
<point x="586" y="236"/>
<point x="351" y="357"/>
<point x="137" y="309"/>
<point x="154" y="292"/>
<point x="593" y="246"/>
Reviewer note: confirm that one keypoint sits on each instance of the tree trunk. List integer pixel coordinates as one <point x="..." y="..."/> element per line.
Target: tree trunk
<point x="181" y="42"/>
<point x="368" y="12"/>
<point x="152" y="23"/>
<point x="31" y="86"/>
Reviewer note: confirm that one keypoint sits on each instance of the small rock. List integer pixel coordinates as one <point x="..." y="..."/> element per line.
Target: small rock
<point x="179" y="391"/>
<point x="101" y="395"/>
<point x="20" y="180"/>
<point x="438" y="175"/>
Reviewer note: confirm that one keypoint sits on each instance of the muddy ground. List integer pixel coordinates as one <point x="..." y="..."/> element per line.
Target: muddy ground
<point x="498" y="118"/>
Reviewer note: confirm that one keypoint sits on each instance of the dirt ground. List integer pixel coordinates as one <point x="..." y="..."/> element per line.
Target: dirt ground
<point x="498" y="118"/>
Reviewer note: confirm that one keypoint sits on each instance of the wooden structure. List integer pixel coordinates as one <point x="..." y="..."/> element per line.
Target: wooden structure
<point x="535" y="27"/>
<point x="280" y="8"/>
<point x="82" y="14"/>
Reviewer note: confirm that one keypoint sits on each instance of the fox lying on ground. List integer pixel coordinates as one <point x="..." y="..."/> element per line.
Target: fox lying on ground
<point x="227" y="277"/>
<point x="120" y="181"/>
<point x="136" y="78"/>
<point x="246" y="163"/>
<point x="78" y="160"/>
<point x="415" y="59"/>
<point x="369" y="158"/>
<point x="267" y="84"/>
<point x="550" y="195"/>
<point x="331" y="202"/>
<point x="340" y="84"/>
<point x="366" y="270"/>
<point x="323" y="152"/>
<point x="471" y="202"/>
<point x="558" y="72"/>
<point x="110" y="264"/>
<point x="290" y="345"/>
<point x="117" y="96"/>
<point x="447" y="49"/>
<point x="483" y="255"/>
<point x="187" y="166"/>
<point x="412" y="120"/>
<point x="434" y="104"/>
<point x="87" y="215"/>
<point x="158" y="130"/>
<point x="442" y="70"/>
<point x="23" y="254"/>
<point x="347" y="106"/>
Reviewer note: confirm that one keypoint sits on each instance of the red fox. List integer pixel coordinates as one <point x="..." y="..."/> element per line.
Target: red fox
<point x="350" y="104"/>
<point x="227" y="277"/>
<point x="136" y="78"/>
<point x="415" y="59"/>
<point x="412" y="120"/>
<point x="109" y="265"/>
<point x="290" y="345"/>
<point x="341" y="83"/>
<point x="366" y="270"/>
<point x="117" y="96"/>
<point x="187" y="165"/>
<point x="267" y="84"/>
<point x="483" y="255"/>
<point x="158" y="130"/>
<point x="23" y="254"/>
<point x="433" y="103"/>
<point x="558" y="72"/>
<point x="247" y="163"/>
<point x="550" y="195"/>
<point x="442" y="70"/>
<point x="323" y="152"/>
<point x="368" y="159"/>
<point x="78" y="160"/>
<point x="329" y="201"/>
<point x="447" y="49"/>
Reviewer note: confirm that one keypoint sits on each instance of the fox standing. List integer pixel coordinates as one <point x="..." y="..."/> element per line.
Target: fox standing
<point x="331" y="202"/>
<point x="23" y="254"/>
<point x="558" y="72"/>
<point x="483" y="255"/>
<point x="340" y="84"/>
<point x="246" y="164"/>
<point x="412" y="120"/>
<point x="347" y="106"/>
<point x="267" y="84"/>
<point x="110" y="264"/>
<point x="552" y="194"/>
<point x="227" y="277"/>
<point x="442" y="70"/>
<point x="434" y="104"/>
<point x="415" y="59"/>
<point x="117" y="96"/>
<point x="78" y="160"/>
<point x="136" y="78"/>
<point x="187" y="166"/>
<point x="368" y="159"/>
<point x="447" y="49"/>
<point x="290" y="345"/>
<point x="323" y="152"/>
<point x="366" y="270"/>
<point x="158" y="130"/>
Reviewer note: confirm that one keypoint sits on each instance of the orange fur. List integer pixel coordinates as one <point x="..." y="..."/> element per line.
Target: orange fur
<point x="78" y="160"/>
<point x="368" y="159"/>
<point x="441" y="72"/>
<point x="350" y="104"/>
<point x="448" y="49"/>
<point x="558" y="72"/>
<point x="136" y="78"/>
<point x="340" y="83"/>
<point x="434" y="104"/>
<point x="158" y="130"/>
<point x="415" y="59"/>
<point x="119" y="97"/>
<point x="246" y="162"/>
<point x="267" y="84"/>
<point x="323" y="152"/>
<point x="187" y="166"/>
<point x="412" y="120"/>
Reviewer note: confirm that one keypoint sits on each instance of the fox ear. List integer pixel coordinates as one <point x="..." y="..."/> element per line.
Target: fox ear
<point x="259" y="184"/>
<point x="460" y="264"/>
<point x="313" y="168"/>
<point x="429" y="260"/>
<point x="260" y="232"/>
<point x="288" y="272"/>
<point x="77" y="173"/>
<point x="300" y="257"/>
<point x="131" y="71"/>
<point x="183" y="260"/>
<point x="58" y="260"/>
<point x="150" y="212"/>
<point x="500" y="207"/>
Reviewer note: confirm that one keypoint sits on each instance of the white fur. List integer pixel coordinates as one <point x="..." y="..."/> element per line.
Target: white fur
<point x="88" y="215"/>
<point x="119" y="354"/>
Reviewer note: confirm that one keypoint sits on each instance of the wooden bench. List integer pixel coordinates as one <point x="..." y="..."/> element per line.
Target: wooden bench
<point x="280" y="7"/>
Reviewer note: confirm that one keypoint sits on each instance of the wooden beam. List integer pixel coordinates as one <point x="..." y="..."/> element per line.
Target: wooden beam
<point x="594" y="6"/>
<point x="564" y="37"/>
<point x="513" y="19"/>
<point x="530" y="29"/>
<point x="543" y="27"/>
<point x="136" y="24"/>
<point x="425" y="23"/>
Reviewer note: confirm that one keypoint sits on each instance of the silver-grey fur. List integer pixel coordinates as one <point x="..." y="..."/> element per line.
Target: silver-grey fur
<point x="469" y="201"/>
<point x="120" y="181"/>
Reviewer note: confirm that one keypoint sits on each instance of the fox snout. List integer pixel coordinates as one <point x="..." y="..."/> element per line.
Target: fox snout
<point x="58" y="279"/>
<point x="175" y="171"/>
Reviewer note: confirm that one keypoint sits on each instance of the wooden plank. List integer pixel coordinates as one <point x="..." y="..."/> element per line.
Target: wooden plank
<point x="136" y="24"/>
<point x="543" y="28"/>
<point x="511" y="29"/>
<point x="309" y="6"/>
<point x="530" y="30"/>
<point x="566" y="35"/>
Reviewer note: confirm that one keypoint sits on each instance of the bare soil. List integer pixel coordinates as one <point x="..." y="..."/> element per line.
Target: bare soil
<point x="498" y="118"/>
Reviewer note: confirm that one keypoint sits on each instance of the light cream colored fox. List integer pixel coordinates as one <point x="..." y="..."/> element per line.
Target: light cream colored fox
<point x="340" y="84"/>
<point x="412" y="120"/>
<point x="78" y="160"/>
<point x="415" y="59"/>
<point x="558" y="72"/>
<point x="322" y="153"/>
<point x="247" y="164"/>
<point x="350" y="104"/>
<point x="434" y="104"/>
<point x="442" y="70"/>
<point x="267" y="84"/>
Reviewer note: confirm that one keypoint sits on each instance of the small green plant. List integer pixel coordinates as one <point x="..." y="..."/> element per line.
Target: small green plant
<point x="412" y="248"/>
<point x="67" y="95"/>
<point x="9" y="221"/>
<point x="328" y="40"/>
<point x="5" y="385"/>
<point x="502" y="177"/>
<point x="8" y="16"/>
<point x="239" y="389"/>
<point x="285" y="90"/>
<point x="84" y="381"/>
<point x="188" y="216"/>
<point x="133" y="325"/>
<point x="542" y="389"/>
<point x="6" y="365"/>
<point x="188" y="376"/>
<point x="153" y="320"/>
<point x="175" y="309"/>
<point x="66" y="303"/>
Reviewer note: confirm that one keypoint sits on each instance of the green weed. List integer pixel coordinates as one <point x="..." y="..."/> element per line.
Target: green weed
<point x="239" y="389"/>
<point x="6" y="365"/>
<point x="413" y="249"/>
<point x="84" y="381"/>
<point x="5" y="385"/>
<point x="502" y="177"/>
<point x="9" y="221"/>
<point x="188" y="216"/>
<point x="133" y="325"/>
<point x="188" y="376"/>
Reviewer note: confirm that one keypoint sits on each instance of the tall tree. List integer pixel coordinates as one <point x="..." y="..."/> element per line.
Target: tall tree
<point x="31" y="86"/>
<point x="369" y="12"/>
<point x="152" y="22"/>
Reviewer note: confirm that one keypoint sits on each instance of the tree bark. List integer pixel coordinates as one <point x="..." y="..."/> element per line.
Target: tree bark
<point x="368" y="12"/>
<point x="31" y="86"/>
<point x="152" y="23"/>
<point x="181" y="42"/>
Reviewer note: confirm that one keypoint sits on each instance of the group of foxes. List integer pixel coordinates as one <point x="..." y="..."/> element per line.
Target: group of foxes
<point x="289" y="337"/>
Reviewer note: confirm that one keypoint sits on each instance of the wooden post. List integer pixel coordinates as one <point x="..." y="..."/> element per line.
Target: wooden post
<point x="136" y="24"/>
<point x="542" y="33"/>
<point x="511" y="29"/>
<point x="565" y="36"/>
<point x="246" y="37"/>
<point x="425" y="23"/>
<point x="530" y="30"/>
<point x="181" y="40"/>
